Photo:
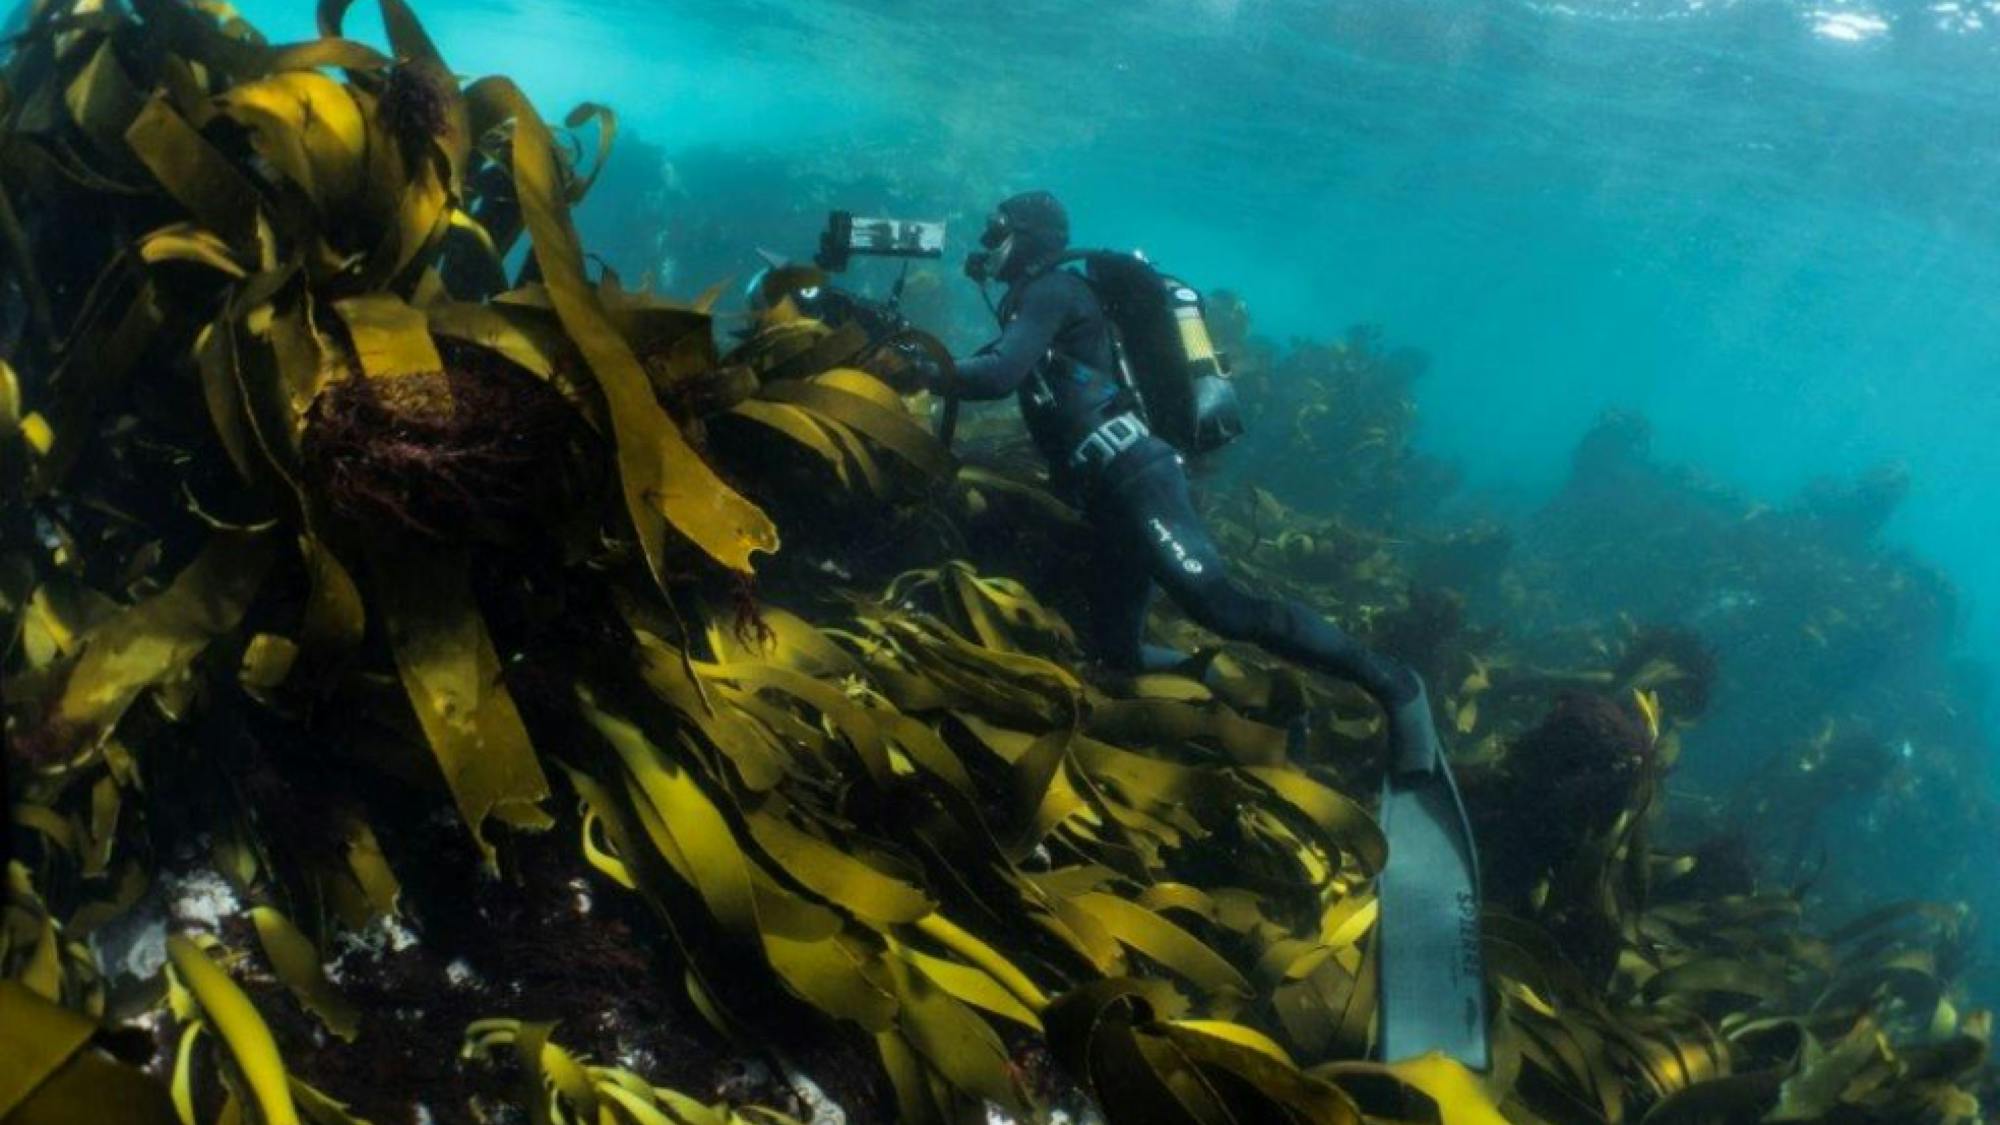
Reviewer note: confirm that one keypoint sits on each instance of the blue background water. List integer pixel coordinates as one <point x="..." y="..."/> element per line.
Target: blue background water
<point x="1770" y="225"/>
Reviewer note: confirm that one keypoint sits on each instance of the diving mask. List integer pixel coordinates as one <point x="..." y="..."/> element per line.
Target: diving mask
<point x="998" y="240"/>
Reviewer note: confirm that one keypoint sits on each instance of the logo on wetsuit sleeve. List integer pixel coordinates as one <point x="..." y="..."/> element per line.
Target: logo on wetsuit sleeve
<point x="1188" y="562"/>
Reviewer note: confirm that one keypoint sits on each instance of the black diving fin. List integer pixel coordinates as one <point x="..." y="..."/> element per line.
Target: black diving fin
<point x="1433" y="981"/>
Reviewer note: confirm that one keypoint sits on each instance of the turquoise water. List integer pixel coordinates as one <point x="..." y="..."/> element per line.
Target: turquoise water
<point x="1765" y="227"/>
<point x="1771" y="226"/>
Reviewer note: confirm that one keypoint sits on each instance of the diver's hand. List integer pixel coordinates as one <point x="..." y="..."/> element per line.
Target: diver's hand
<point x="937" y="376"/>
<point x="906" y="367"/>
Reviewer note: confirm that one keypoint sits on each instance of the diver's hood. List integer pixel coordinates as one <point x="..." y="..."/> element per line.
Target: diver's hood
<point x="1024" y="235"/>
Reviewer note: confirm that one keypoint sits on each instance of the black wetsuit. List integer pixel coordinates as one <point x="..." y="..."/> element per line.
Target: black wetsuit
<point x="1055" y="353"/>
<point x="1055" y="357"/>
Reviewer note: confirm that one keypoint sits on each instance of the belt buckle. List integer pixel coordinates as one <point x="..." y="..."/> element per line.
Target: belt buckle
<point x="1108" y="440"/>
<point x="1092" y="449"/>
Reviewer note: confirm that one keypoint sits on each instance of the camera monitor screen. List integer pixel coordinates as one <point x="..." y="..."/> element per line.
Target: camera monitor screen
<point x="847" y="235"/>
<point x="897" y="237"/>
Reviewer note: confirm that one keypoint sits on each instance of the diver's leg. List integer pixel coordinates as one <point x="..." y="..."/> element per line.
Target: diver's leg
<point x="1120" y="591"/>
<point x="1182" y="557"/>
<point x="1432" y="984"/>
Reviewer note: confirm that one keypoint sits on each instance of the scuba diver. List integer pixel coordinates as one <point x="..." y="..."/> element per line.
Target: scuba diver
<point x="1057" y="355"/>
<point x="1061" y="354"/>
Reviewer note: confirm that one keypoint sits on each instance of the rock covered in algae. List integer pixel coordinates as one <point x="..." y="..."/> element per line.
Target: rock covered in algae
<point x="481" y="450"/>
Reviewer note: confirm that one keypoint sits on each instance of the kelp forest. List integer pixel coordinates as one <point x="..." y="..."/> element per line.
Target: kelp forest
<point x="448" y="679"/>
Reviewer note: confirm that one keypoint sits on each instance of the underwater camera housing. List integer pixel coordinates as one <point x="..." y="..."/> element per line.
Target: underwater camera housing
<point x="847" y="235"/>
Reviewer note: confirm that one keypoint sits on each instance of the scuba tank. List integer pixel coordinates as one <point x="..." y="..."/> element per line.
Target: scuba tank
<point x="1165" y="355"/>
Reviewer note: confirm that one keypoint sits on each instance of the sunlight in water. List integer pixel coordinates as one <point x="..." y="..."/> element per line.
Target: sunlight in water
<point x="1848" y="27"/>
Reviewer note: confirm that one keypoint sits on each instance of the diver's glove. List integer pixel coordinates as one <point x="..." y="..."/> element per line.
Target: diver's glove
<point x="909" y="367"/>
<point x="929" y="373"/>
<point x="938" y="380"/>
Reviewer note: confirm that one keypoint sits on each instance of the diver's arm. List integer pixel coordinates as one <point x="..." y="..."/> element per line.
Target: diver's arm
<point x="999" y="369"/>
